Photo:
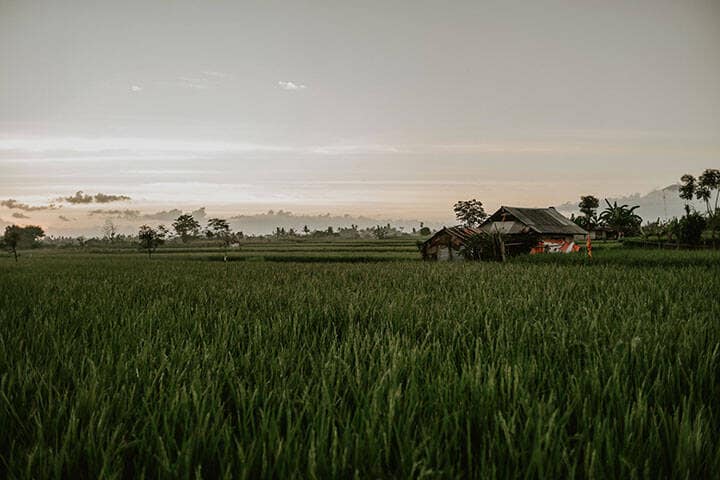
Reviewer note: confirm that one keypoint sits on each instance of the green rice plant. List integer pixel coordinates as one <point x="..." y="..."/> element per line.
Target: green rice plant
<point x="542" y="367"/>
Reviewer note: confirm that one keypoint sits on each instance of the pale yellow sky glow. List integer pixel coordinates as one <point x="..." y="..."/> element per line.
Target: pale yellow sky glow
<point x="392" y="111"/>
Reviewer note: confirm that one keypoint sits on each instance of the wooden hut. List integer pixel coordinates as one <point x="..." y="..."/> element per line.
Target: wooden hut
<point x="524" y="230"/>
<point x="555" y="232"/>
<point x="447" y="243"/>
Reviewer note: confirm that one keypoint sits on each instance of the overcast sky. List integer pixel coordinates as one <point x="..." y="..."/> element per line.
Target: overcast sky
<point x="388" y="108"/>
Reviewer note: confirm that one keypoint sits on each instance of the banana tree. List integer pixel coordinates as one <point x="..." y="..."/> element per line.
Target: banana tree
<point x="621" y="218"/>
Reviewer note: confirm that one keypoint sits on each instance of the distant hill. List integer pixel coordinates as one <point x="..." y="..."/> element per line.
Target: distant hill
<point x="662" y="203"/>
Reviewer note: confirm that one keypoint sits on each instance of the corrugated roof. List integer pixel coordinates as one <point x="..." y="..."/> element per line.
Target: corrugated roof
<point x="462" y="232"/>
<point x="541" y="220"/>
<point x="506" y="228"/>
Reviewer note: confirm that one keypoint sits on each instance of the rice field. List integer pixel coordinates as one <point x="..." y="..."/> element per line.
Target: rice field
<point x="325" y="365"/>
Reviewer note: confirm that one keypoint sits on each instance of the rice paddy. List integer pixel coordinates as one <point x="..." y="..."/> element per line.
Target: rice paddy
<point x="318" y="363"/>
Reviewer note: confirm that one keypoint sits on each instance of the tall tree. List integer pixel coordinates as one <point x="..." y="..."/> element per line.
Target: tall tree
<point x="588" y="206"/>
<point x="149" y="238"/>
<point x="186" y="227"/>
<point x="470" y="212"/>
<point x="109" y="230"/>
<point x="704" y="188"/>
<point x="219" y="228"/>
<point x="16" y="237"/>
<point x="11" y="239"/>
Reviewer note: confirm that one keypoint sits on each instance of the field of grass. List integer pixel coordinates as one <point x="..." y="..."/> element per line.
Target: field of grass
<point x="274" y="251"/>
<point x="179" y="367"/>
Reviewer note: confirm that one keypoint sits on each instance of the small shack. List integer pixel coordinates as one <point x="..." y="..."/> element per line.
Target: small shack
<point x="524" y="230"/>
<point x="447" y="243"/>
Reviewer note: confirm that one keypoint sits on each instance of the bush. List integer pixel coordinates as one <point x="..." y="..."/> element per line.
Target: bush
<point x="690" y="227"/>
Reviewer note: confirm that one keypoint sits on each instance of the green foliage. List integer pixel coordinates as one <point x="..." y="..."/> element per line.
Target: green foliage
<point x="661" y="229"/>
<point x="219" y="228"/>
<point x="186" y="227"/>
<point x="703" y="188"/>
<point x="149" y="238"/>
<point x="621" y="217"/>
<point x="543" y="367"/>
<point x="470" y="212"/>
<point x="16" y="237"/>
<point x="588" y="206"/>
<point x="690" y="227"/>
<point x="484" y="246"/>
<point x="687" y="187"/>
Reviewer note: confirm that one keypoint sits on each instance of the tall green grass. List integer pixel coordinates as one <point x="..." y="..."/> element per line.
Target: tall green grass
<point x="539" y="368"/>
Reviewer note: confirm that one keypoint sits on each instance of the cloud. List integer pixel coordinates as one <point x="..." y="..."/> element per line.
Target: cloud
<point x="356" y="149"/>
<point x="135" y="88"/>
<point x="19" y="215"/>
<point x="14" y="204"/>
<point x="170" y="215"/>
<point x="81" y="198"/>
<point x="108" y="198"/>
<point x="291" y="86"/>
<point x="121" y="214"/>
<point x="64" y="218"/>
<point x="147" y="149"/>
<point x="198" y="81"/>
<point x="199" y="214"/>
<point x="133" y="145"/>
<point x="77" y="198"/>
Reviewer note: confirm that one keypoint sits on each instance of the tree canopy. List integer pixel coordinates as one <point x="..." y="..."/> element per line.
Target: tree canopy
<point x="704" y="188"/>
<point x="150" y="238"/>
<point x="186" y="227"/>
<point x="16" y="237"/>
<point x="588" y="206"/>
<point x="621" y="217"/>
<point x="470" y="212"/>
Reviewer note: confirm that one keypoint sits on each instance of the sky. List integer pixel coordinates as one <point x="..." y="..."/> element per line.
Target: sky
<point x="384" y="109"/>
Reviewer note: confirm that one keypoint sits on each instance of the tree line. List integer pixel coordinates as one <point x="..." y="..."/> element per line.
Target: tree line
<point x="187" y="228"/>
<point x="622" y="219"/>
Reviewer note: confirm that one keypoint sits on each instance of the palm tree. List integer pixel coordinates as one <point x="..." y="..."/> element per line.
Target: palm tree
<point x="621" y="217"/>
